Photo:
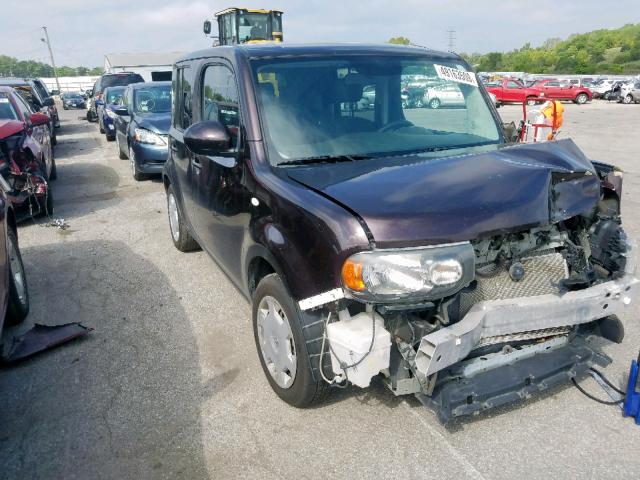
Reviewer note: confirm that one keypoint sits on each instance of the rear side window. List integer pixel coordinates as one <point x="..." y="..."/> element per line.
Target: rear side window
<point x="182" y="93"/>
<point x="220" y="100"/>
<point x="23" y="106"/>
<point x="119" y="80"/>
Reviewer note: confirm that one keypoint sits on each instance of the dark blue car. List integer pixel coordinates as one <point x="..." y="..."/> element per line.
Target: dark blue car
<point x="106" y="111"/>
<point x="142" y="125"/>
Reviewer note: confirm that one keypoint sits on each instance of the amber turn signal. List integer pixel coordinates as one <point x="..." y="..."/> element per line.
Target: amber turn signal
<point x="352" y="276"/>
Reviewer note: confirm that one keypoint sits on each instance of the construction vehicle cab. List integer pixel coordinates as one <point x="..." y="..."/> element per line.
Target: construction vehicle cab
<point x="242" y="25"/>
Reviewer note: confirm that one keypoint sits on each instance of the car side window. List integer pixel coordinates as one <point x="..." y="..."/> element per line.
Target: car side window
<point x="23" y="107"/>
<point x="553" y="84"/>
<point x="512" y="85"/>
<point x="220" y="100"/>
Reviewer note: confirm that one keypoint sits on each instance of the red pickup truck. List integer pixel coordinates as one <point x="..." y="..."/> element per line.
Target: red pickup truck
<point x="563" y="91"/>
<point x="512" y="91"/>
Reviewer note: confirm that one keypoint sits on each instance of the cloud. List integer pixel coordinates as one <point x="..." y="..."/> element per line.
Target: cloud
<point x="82" y="32"/>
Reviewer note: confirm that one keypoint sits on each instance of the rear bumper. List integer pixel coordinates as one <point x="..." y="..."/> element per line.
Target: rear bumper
<point x="490" y="319"/>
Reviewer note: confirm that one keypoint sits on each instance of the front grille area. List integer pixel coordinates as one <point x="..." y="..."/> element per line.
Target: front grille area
<point x="541" y="276"/>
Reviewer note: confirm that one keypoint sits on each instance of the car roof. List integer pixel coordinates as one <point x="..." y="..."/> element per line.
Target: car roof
<point x="267" y="50"/>
<point x="15" y="81"/>
<point x="136" y="86"/>
<point x="5" y="89"/>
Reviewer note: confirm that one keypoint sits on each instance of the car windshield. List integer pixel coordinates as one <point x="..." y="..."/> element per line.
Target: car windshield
<point x="253" y="26"/>
<point x="152" y="99"/>
<point x="114" y="95"/>
<point x="73" y="95"/>
<point x="7" y="112"/>
<point x="360" y="107"/>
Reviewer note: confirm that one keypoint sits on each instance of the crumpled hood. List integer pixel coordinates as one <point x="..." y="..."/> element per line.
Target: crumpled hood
<point x="407" y="201"/>
<point x="156" y="122"/>
<point x="10" y="127"/>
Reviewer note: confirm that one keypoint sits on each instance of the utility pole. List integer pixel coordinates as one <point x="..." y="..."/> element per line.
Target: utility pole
<point x="452" y="39"/>
<point x="53" y="63"/>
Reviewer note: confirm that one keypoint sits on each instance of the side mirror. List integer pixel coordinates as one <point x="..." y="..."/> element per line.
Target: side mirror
<point x="37" y="119"/>
<point x="48" y="102"/>
<point x="206" y="28"/>
<point x="207" y="138"/>
<point x="122" y="111"/>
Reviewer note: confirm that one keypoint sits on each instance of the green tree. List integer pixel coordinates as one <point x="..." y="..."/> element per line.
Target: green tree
<point x="400" y="41"/>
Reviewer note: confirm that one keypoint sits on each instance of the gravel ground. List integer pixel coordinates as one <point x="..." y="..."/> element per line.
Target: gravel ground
<point x="169" y="384"/>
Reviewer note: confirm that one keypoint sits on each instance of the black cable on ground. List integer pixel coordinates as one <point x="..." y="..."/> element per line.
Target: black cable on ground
<point x="599" y="400"/>
<point x="605" y="380"/>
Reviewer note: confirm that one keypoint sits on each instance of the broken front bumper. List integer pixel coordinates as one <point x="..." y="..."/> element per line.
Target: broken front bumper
<point x="492" y="319"/>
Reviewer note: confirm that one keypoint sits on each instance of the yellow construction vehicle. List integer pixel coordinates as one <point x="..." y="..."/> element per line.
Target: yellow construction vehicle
<point x="245" y="25"/>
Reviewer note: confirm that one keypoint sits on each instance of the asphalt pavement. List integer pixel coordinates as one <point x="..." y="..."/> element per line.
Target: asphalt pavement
<point x="169" y="385"/>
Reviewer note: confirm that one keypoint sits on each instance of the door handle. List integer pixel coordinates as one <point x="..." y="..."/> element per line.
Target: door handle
<point x="196" y="163"/>
<point x="174" y="147"/>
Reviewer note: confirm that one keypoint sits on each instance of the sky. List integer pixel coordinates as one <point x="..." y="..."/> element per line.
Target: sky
<point x="83" y="31"/>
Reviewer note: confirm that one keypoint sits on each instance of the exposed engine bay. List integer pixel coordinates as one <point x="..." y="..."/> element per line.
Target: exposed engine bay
<point x="24" y="176"/>
<point x="522" y="324"/>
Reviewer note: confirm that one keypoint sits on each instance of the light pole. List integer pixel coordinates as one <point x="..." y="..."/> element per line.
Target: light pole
<point x="53" y="63"/>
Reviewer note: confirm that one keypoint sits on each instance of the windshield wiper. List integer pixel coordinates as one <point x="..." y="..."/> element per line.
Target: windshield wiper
<point x="324" y="159"/>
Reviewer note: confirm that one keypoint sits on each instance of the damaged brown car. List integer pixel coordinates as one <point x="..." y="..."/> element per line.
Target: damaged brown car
<point x="414" y="245"/>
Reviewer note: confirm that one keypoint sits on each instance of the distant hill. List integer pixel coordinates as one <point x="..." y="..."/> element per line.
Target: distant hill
<point x="601" y="51"/>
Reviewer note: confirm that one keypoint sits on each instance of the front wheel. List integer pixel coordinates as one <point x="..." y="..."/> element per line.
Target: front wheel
<point x="419" y="103"/>
<point x="627" y="99"/>
<point x="18" y="305"/>
<point x="180" y="235"/>
<point x="281" y="347"/>
<point x="531" y="101"/>
<point x="121" y="154"/>
<point x="435" y="103"/>
<point x="582" y="98"/>
<point x="137" y="175"/>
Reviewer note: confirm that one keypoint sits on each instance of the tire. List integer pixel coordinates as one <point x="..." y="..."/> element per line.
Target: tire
<point x="137" y="175"/>
<point x="65" y="108"/>
<point x="581" y="98"/>
<point x="101" y="128"/>
<point x="54" y="169"/>
<point x="297" y="388"/>
<point x="419" y="103"/>
<point x="435" y="103"/>
<point x="121" y="154"/>
<point x="180" y="235"/>
<point x="627" y="99"/>
<point x="531" y="101"/>
<point x="18" y="304"/>
<point x="110" y="138"/>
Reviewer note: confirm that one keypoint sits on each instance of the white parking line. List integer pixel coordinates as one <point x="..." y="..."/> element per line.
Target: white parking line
<point x="469" y="469"/>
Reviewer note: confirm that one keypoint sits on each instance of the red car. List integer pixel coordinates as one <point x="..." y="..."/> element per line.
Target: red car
<point x="26" y="154"/>
<point x="509" y="90"/>
<point x="14" y="294"/>
<point x="557" y="90"/>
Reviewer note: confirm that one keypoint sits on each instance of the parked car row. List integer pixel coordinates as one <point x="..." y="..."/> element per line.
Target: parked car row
<point x="137" y="115"/>
<point x="509" y="90"/>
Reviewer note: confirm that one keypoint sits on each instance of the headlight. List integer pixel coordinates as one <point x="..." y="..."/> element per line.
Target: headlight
<point x="110" y="113"/>
<point x="143" y="135"/>
<point x="409" y="274"/>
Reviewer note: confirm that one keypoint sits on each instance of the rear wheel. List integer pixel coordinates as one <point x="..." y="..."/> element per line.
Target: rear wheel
<point x="627" y="99"/>
<point x="419" y="103"/>
<point x="531" y="101"/>
<point x="581" y="98"/>
<point x="180" y="235"/>
<point x="277" y="329"/>
<point x="18" y="305"/>
<point x="435" y="103"/>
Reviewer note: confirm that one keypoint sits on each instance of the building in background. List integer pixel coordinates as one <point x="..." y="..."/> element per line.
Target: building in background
<point x="70" y="84"/>
<point x="153" y="67"/>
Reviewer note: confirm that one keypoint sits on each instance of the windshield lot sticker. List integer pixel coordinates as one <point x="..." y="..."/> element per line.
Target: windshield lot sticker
<point x="455" y="75"/>
<point x="4" y="100"/>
